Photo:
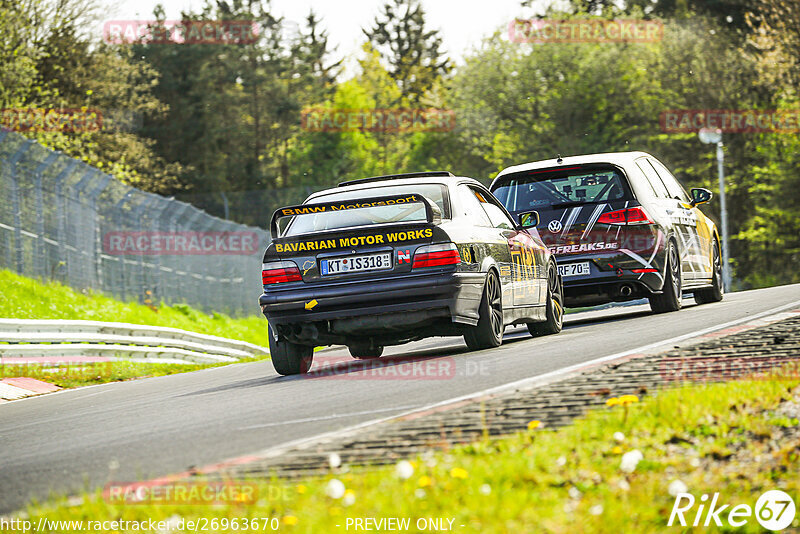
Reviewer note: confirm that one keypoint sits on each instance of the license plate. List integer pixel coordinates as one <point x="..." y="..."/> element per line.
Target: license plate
<point x="574" y="269"/>
<point x="356" y="264"/>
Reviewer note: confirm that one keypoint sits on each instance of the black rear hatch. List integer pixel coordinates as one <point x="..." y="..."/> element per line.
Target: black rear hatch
<point x="571" y="202"/>
<point x="354" y="239"/>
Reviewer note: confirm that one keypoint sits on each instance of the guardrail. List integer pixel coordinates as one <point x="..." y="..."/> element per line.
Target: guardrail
<point x="59" y="338"/>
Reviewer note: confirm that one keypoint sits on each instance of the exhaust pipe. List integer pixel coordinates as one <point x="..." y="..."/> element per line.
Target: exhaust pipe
<point x="625" y="290"/>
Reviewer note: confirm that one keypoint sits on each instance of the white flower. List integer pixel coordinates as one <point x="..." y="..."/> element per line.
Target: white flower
<point x="349" y="498"/>
<point x="676" y="487"/>
<point x="597" y="509"/>
<point x="430" y="458"/>
<point x="485" y="489"/>
<point x="561" y="461"/>
<point x="335" y="489"/>
<point x="630" y="459"/>
<point x="694" y="462"/>
<point x="574" y="493"/>
<point x="404" y="469"/>
<point x="419" y="493"/>
<point x="334" y="460"/>
<point x="623" y="485"/>
<point x="619" y="436"/>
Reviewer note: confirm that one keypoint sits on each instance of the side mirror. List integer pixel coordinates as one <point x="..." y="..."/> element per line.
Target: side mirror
<point x="528" y="219"/>
<point x="700" y="196"/>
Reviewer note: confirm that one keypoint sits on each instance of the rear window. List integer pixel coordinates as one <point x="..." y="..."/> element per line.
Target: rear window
<point x="373" y="215"/>
<point x="558" y="188"/>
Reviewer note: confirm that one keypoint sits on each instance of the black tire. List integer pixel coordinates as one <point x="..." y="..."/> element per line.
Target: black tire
<point x="555" y="306"/>
<point x="488" y="333"/>
<point x="671" y="295"/>
<point x="290" y="358"/>
<point x="716" y="291"/>
<point x="364" y="352"/>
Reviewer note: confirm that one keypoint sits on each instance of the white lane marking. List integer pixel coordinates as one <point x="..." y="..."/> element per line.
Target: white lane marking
<point x="539" y="380"/>
<point x="328" y="417"/>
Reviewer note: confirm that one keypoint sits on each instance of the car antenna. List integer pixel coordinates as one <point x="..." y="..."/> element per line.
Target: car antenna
<point x="558" y="159"/>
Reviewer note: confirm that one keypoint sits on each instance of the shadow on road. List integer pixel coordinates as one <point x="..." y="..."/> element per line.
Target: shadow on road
<point x="340" y="365"/>
<point x="424" y="363"/>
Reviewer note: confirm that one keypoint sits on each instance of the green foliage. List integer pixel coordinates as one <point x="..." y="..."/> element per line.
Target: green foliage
<point x="87" y="374"/>
<point x="413" y="52"/>
<point x="565" y="480"/>
<point x="227" y="118"/>
<point x="26" y="298"/>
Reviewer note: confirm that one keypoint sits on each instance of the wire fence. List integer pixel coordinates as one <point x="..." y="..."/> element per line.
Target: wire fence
<point x="63" y="220"/>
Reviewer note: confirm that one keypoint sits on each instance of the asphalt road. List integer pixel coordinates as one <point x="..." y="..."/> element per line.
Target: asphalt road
<point x="74" y="440"/>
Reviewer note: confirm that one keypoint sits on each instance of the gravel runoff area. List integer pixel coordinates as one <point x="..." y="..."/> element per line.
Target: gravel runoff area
<point x="735" y="355"/>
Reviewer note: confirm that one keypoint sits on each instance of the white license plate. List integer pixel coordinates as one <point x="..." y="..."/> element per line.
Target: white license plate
<point x="355" y="264"/>
<point x="574" y="269"/>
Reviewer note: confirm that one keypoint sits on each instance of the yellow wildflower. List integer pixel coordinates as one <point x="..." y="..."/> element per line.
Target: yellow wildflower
<point x="289" y="520"/>
<point x="532" y="425"/>
<point x="458" y="472"/>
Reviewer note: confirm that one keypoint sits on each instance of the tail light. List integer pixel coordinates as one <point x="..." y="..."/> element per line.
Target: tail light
<point x="640" y="271"/>
<point x="436" y="256"/>
<point x="635" y="215"/>
<point x="277" y="272"/>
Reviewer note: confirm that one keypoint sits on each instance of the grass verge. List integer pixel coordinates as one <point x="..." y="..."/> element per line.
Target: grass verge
<point x="87" y="374"/>
<point x="724" y="438"/>
<point x="27" y="298"/>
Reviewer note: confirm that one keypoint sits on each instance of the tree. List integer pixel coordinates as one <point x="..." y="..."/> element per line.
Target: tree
<point x="311" y="53"/>
<point x="414" y="53"/>
<point x="775" y="41"/>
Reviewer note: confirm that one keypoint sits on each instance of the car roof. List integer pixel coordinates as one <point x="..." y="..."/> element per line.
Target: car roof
<point x="617" y="158"/>
<point x="442" y="180"/>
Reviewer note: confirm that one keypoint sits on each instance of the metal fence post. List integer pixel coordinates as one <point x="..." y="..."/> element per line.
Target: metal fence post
<point x="197" y="283"/>
<point x="61" y="232"/>
<point x="39" y="256"/>
<point x="117" y="215"/>
<point x="159" y="205"/>
<point x="92" y="195"/>
<point x="15" y="204"/>
<point x="173" y="217"/>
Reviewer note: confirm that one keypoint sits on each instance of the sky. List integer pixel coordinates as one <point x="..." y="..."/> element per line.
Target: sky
<point x="462" y="23"/>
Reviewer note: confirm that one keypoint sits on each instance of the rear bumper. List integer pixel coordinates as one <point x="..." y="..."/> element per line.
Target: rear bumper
<point x="403" y="306"/>
<point x="611" y="280"/>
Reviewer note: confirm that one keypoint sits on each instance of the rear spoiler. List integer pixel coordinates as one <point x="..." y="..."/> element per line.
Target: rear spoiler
<point x="432" y="212"/>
